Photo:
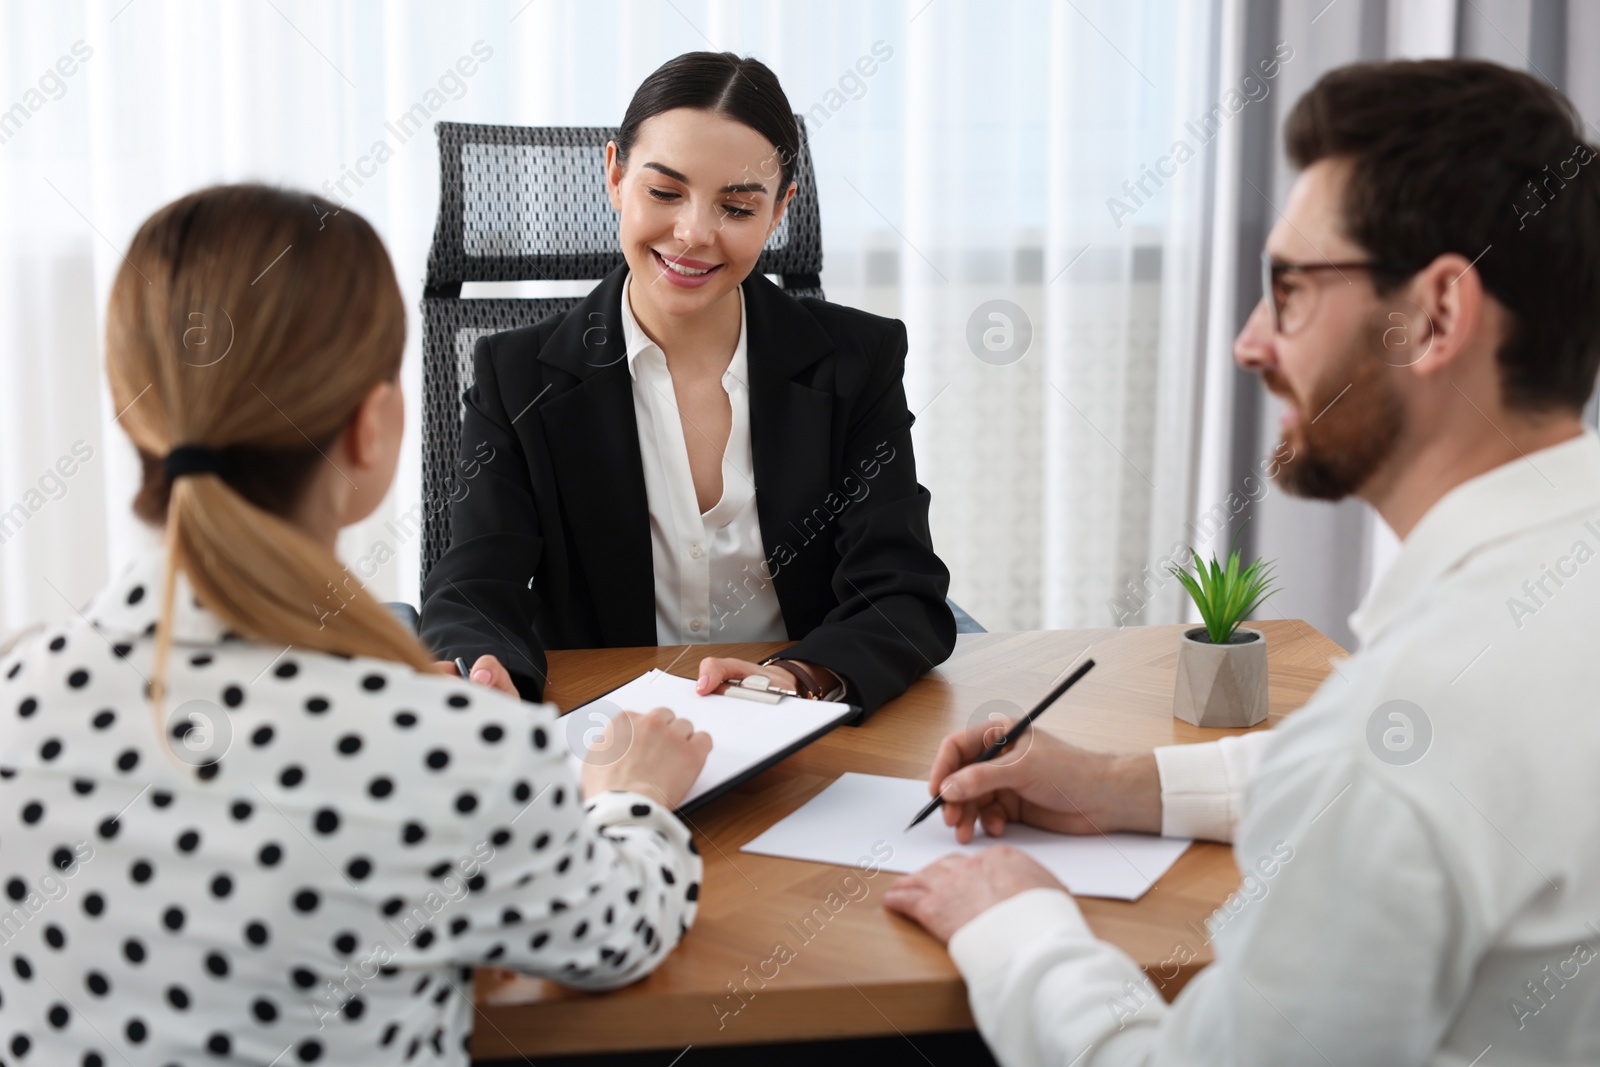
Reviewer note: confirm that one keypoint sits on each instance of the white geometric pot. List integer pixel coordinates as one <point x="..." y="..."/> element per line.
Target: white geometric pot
<point x="1221" y="685"/>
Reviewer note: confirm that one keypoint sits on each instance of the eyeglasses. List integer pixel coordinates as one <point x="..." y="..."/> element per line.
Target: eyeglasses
<point x="1292" y="304"/>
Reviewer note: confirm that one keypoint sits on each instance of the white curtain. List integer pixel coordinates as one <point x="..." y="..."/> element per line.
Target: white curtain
<point x="1004" y="177"/>
<point x="966" y="153"/>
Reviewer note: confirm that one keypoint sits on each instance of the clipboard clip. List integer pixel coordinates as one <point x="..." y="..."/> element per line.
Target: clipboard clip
<point x="757" y="687"/>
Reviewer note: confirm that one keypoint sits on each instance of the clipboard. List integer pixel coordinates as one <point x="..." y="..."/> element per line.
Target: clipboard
<point x="747" y="737"/>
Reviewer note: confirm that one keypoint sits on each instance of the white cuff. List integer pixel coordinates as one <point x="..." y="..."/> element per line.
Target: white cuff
<point x="1202" y="785"/>
<point x="1195" y="799"/>
<point x="986" y="945"/>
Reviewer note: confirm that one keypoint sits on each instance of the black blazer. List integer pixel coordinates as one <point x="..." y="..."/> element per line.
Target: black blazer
<point x="550" y="543"/>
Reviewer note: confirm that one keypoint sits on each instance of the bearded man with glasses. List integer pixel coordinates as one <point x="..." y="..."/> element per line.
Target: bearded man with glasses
<point x="1420" y="843"/>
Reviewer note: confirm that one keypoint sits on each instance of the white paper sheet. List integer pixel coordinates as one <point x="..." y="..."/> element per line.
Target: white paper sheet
<point x="842" y="823"/>
<point x="744" y="733"/>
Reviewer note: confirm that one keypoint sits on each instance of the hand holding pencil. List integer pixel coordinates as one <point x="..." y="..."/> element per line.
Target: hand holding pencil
<point x="1045" y="782"/>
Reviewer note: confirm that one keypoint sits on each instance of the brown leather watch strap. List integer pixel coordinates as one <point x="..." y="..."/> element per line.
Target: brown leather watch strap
<point x="807" y="684"/>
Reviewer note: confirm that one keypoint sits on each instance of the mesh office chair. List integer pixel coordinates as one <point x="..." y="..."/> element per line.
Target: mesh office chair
<point x="522" y="203"/>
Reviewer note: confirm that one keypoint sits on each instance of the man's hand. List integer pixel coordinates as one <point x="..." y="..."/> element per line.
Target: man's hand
<point x="487" y="672"/>
<point x="949" y="893"/>
<point x="1044" y="782"/>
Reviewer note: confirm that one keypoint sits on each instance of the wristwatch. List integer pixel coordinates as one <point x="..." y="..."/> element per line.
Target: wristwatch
<point x="807" y="684"/>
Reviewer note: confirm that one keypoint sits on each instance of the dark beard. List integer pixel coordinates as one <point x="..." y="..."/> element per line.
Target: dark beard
<point x="1349" y="441"/>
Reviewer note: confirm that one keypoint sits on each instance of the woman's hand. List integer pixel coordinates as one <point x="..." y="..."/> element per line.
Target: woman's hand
<point x="1044" y="782"/>
<point x="656" y="754"/>
<point x="486" y="672"/>
<point x="714" y="672"/>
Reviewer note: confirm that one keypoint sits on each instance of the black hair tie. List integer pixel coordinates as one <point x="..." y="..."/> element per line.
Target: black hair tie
<point x="194" y="459"/>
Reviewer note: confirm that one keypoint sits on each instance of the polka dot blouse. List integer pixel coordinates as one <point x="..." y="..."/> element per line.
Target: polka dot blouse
<point x="312" y="867"/>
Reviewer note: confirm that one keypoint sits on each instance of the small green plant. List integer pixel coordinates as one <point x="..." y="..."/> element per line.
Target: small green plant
<point x="1226" y="595"/>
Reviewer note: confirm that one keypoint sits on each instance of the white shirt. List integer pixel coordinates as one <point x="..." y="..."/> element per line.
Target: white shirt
<point x="1444" y="910"/>
<point x="323" y="891"/>
<point x="713" y="580"/>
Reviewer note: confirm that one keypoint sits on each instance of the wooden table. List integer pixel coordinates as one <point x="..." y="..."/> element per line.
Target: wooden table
<point x="868" y="972"/>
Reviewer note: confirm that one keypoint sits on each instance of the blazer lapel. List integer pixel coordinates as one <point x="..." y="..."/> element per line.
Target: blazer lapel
<point x="791" y="429"/>
<point x="593" y="439"/>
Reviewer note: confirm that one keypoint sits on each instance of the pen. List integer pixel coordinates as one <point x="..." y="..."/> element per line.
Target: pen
<point x="461" y="666"/>
<point x="1012" y="734"/>
<point x="757" y="687"/>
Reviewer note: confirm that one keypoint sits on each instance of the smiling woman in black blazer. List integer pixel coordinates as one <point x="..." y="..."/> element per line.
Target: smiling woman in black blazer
<point x="691" y="455"/>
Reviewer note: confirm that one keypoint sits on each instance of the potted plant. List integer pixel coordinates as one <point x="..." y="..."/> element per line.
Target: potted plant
<point x="1222" y="667"/>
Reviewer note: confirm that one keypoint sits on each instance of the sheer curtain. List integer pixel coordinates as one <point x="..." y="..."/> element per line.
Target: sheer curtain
<point x="974" y="204"/>
<point x="966" y="152"/>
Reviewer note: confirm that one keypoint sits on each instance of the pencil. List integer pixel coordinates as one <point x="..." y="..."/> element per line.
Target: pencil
<point x="1012" y="734"/>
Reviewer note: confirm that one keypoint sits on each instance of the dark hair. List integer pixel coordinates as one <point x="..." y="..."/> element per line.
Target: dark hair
<point x="1474" y="158"/>
<point x="722" y="83"/>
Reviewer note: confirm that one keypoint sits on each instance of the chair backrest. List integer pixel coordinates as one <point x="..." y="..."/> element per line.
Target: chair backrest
<point x="528" y="203"/>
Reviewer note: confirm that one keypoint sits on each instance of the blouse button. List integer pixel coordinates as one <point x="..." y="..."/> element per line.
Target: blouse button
<point x="695" y="624"/>
<point x="695" y="552"/>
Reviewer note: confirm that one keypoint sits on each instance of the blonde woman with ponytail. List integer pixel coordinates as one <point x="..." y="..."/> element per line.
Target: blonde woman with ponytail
<point x="242" y="817"/>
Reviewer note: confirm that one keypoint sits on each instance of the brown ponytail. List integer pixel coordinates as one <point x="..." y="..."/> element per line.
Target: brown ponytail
<point x="253" y="321"/>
